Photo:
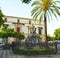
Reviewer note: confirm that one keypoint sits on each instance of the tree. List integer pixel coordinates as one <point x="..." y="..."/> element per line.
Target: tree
<point x="9" y="32"/>
<point x="1" y="17"/>
<point x="50" y="38"/>
<point x="57" y="34"/>
<point x="44" y="9"/>
<point x="20" y="35"/>
<point x="3" y="34"/>
<point x="26" y="1"/>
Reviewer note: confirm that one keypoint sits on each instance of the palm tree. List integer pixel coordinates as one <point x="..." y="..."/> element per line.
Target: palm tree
<point x="44" y="9"/>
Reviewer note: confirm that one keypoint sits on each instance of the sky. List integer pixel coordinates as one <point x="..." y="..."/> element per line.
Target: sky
<point x="19" y="9"/>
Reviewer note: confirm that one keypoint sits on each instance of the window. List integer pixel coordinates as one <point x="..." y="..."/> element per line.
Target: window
<point x="18" y="29"/>
<point x="5" y="25"/>
<point x="18" y="21"/>
<point x="29" y="21"/>
<point x="39" y="30"/>
<point x="6" y="19"/>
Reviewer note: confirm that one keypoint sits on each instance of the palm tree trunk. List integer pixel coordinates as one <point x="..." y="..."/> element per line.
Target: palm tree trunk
<point x="45" y="31"/>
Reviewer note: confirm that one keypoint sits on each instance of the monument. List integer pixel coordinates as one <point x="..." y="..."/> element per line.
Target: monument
<point x="33" y="39"/>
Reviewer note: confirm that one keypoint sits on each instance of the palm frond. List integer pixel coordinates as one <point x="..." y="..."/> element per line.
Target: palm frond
<point x="53" y="12"/>
<point x="41" y="16"/>
<point x="58" y="7"/>
<point x="35" y="3"/>
<point x="45" y="12"/>
<point x="54" y="3"/>
<point x="35" y="9"/>
<point x="37" y="14"/>
<point x="48" y="17"/>
<point x="57" y="1"/>
<point x="50" y="14"/>
<point x="56" y="10"/>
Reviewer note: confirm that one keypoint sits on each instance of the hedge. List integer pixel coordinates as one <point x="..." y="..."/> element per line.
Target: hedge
<point x="35" y="51"/>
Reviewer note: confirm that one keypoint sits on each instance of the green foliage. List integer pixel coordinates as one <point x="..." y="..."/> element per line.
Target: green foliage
<point x="8" y="32"/>
<point x="38" y="12"/>
<point x="57" y="34"/>
<point x="35" y="51"/>
<point x="1" y="17"/>
<point x="26" y="1"/>
<point x="50" y="38"/>
<point x="20" y="35"/>
<point x="41" y="10"/>
<point x="3" y="34"/>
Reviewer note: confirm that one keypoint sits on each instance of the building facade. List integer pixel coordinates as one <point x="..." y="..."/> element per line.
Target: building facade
<point x="24" y="25"/>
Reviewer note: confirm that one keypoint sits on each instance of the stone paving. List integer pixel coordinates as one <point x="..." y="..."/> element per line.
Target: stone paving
<point x="9" y="54"/>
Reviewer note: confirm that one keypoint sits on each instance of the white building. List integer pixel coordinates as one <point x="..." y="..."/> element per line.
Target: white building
<point x="24" y="24"/>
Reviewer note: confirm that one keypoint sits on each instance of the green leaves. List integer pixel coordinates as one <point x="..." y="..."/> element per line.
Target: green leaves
<point x="1" y="14"/>
<point x="1" y="17"/>
<point x="56" y="10"/>
<point x="26" y="1"/>
<point x="20" y="36"/>
<point x="58" y="2"/>
<point x="57" y="34"/>
<point x="8" y="32"/>
<point x="35" y="16"/>
<point x="36" y="3"/>
<point x="2" y="34"/>
<point x="35" y="9"/>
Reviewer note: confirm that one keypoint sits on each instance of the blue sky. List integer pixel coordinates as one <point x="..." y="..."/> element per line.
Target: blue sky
<point x="19" y="9"/>
<point x="15" y="8"/>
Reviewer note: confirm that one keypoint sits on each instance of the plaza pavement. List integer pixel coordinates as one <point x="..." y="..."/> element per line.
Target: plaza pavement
<point x="9" y="54"/>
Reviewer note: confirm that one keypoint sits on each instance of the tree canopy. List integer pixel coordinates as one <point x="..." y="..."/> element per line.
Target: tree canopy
<point x="57" y="33"/>
<point x="50" y="38"/>
<point x="26" y="1"/>
<point x="1" y="17"/>
<point x="44" y="9"/>
<point x="9" y="32"/>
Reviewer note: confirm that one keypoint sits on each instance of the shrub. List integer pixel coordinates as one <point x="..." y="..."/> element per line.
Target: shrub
<point x="35" y="51"/>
